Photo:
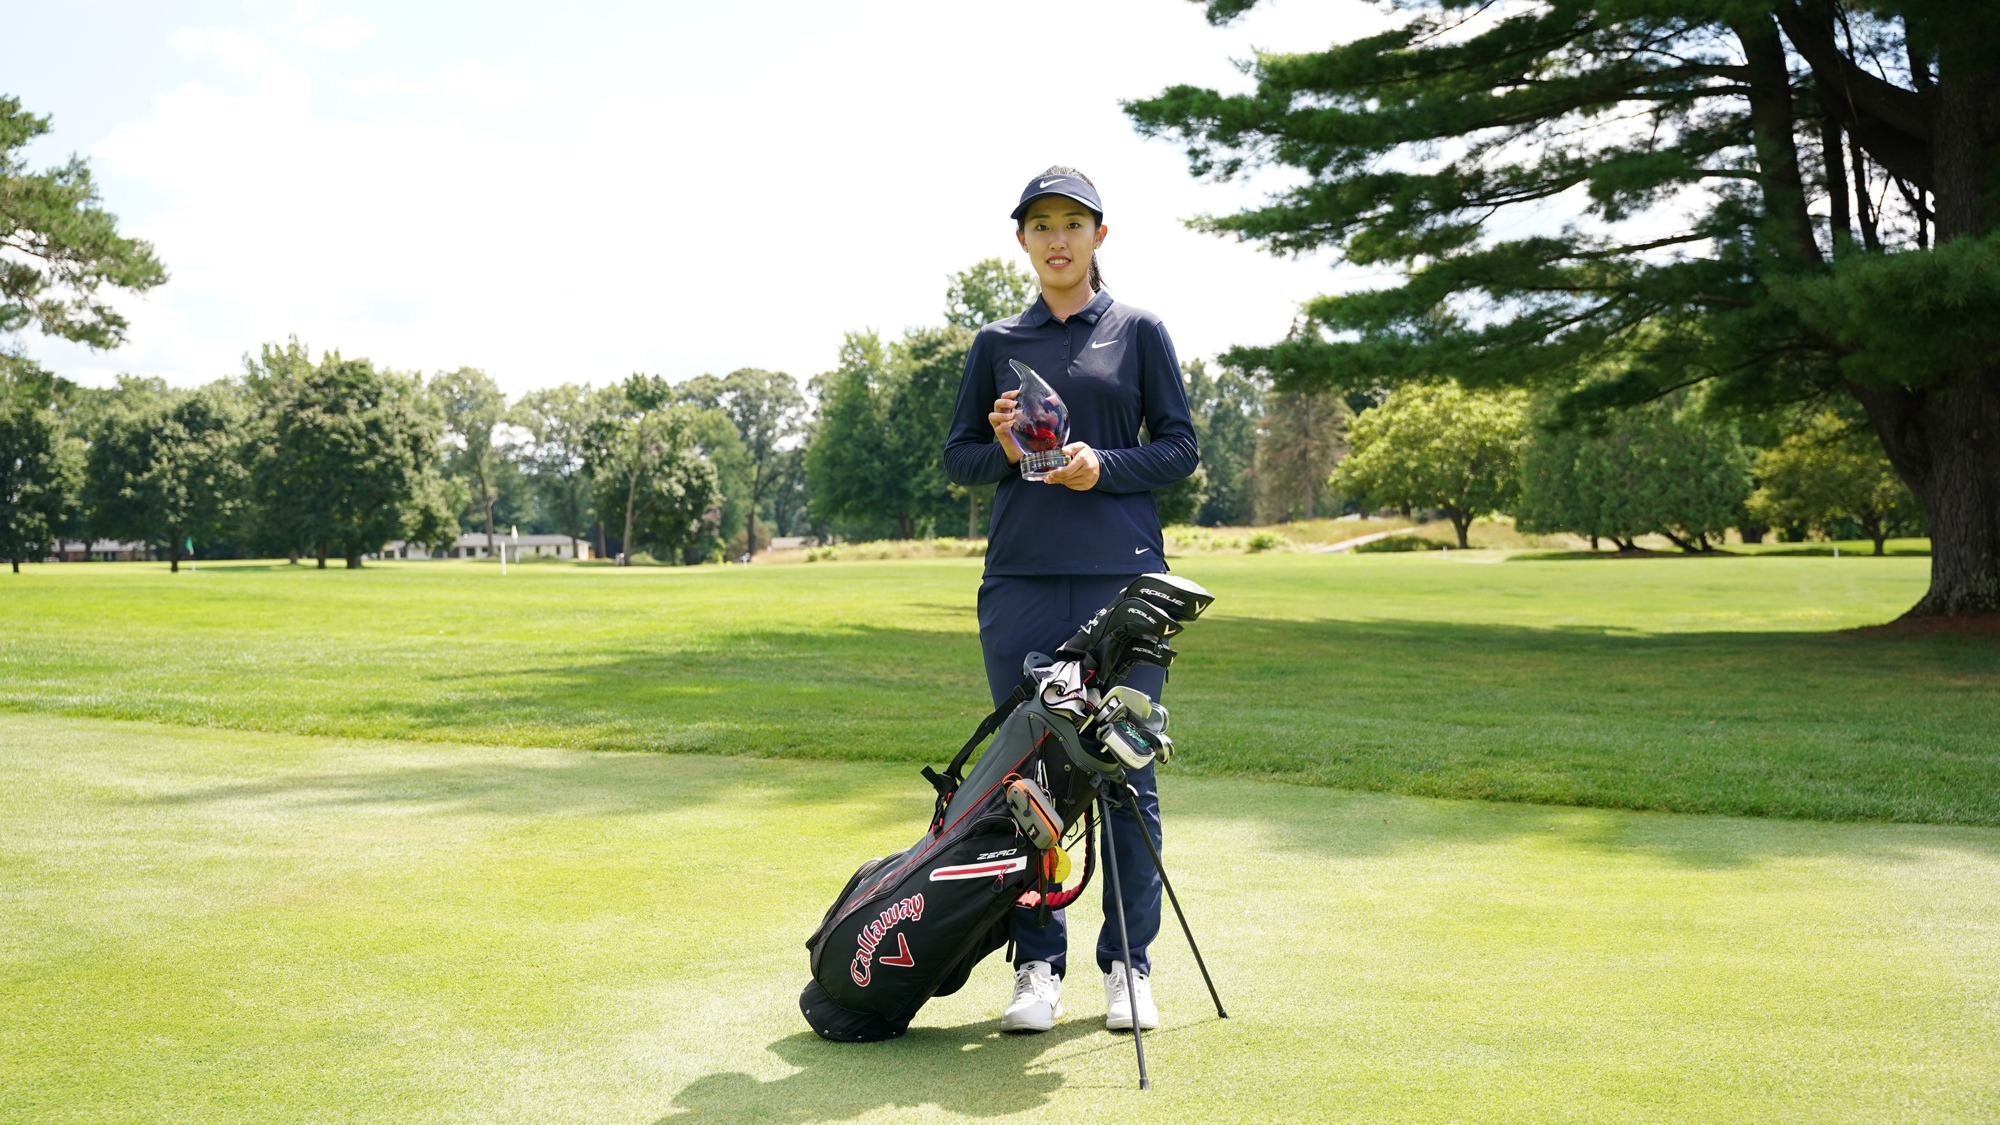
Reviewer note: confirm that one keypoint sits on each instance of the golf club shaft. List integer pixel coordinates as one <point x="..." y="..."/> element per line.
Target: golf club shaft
<point x="1176" y="900"/>
<point x="1124" y="943"/>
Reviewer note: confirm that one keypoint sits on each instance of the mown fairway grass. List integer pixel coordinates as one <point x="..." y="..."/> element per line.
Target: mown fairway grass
<point x="223" y="927"/>
<point x="1701" y="685"/>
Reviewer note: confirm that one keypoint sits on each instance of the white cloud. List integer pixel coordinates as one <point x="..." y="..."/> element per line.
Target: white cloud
<point x="687" y="199"/>
<point x="339" y="34"/>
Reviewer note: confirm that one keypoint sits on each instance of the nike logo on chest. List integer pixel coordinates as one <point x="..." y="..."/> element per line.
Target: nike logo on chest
<point x="1104" y="344"/>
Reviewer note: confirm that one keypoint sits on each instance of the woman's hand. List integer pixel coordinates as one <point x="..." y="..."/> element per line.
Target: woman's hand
<point x="1002" y="420"/>
<point x="1081" y="472"/>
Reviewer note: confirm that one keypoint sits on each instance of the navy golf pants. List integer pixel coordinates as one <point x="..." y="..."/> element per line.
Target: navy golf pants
<point x="1020" y="615"/>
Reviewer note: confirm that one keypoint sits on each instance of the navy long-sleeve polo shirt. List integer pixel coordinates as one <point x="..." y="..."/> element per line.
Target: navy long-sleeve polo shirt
<point x="1115" y="368"/>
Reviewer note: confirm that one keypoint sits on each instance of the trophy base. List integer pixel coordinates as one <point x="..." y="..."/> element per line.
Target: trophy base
<point x="1038" y="466"/>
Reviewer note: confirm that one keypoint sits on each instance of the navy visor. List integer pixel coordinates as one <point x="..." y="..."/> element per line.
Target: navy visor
<point x="1074" y="187"/>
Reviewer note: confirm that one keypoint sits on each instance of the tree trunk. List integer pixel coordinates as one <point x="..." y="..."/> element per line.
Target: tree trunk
<point x="1945" y="444"/>
<point x="319" y="551"/>
<point x="1777" y="151"/>
<point x="750" y="531"/>
<point x="16" y="563"/>
<point x="292" y="556"/>
<point x="631" y="499"/>
<point x="353" y="560"/>
<point x="174" y="556"/>
<point x="1832" y="150"/>
<point x="602" y="551"/>
<point x="971" y="515"/>
<point x="1460" y="524"/>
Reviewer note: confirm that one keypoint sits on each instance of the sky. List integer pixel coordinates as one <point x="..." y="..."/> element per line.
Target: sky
<point x="571" y="193"/>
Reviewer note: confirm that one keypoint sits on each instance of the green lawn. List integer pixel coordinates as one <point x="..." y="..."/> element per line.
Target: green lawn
<point x="1710" y="685"/>
<point x="229" y="927"/>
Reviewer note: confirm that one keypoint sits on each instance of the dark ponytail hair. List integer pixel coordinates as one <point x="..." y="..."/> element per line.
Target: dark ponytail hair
<point x="1096" y="275"/>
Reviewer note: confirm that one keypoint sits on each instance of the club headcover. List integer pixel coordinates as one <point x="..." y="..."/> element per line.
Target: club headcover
<point x="1179" y="598"/>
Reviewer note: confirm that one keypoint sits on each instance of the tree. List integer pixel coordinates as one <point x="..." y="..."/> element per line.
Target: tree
<point x="1436" y="445"/>
<point x="1829" y="472"/>
<point x="60" y="247"/>
<point x="166" y="467"/>
<point x="347" y="455"/>
<point x="648" y="470"/>
<point x="473" y="409"/>
<point x="1298" y="443"/>
<point x="1663" y="468"/>
<point x="560" y="420"/>
<point x="1790" y="199"/>
<point x="1227" y="409"/>
<point x="35" y="485"/>
<point x="930" y="364"/>
<point x="854" y="478"/>
<point x="767" y="410"/>
<point x="990" y="290"/>
<point x="791" y="496"/>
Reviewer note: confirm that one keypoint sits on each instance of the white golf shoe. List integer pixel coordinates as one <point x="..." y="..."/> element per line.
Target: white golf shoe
<point x="1118" y="1008"/>
<point x="1037" y="1002"/>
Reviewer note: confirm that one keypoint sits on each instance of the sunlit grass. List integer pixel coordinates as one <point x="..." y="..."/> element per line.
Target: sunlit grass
<point x="221" y="926"/>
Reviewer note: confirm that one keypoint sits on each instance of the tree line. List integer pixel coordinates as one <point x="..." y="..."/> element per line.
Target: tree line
<point x="330" y="457"/>
<point x="1671" y="468"/>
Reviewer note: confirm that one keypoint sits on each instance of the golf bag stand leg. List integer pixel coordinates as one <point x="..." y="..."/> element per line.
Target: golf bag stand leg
<point x="1133" y="796"/>
<point x="1124" y="941"/>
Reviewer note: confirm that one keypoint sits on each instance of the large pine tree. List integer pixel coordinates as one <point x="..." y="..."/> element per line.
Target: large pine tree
<point x="1788" y="199"/>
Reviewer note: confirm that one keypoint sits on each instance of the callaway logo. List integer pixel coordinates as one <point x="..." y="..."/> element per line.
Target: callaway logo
<point x="1046" y="183"/>
<point x="996" y="855"/>
<point x="1105" y="344"/>
<point x="871" y="936"/>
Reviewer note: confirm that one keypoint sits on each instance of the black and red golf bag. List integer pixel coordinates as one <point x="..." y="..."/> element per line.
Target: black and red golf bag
<point x="912" y="925"/>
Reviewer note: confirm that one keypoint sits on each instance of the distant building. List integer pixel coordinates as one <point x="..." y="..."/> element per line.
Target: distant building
<point x="472" y="545"/>
<point x="102" y="550"/>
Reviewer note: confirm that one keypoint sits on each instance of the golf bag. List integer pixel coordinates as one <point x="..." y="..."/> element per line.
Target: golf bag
<point x="912" y="925"/>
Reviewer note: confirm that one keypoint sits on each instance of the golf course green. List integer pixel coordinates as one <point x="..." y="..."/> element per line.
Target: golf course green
<point x="286" y="845"/>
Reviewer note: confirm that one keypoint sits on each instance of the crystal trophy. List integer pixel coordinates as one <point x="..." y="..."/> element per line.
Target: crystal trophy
<point x="1041" y="425"/>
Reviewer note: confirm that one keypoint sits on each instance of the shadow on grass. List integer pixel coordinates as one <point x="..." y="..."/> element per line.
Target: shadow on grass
<point x="596" y="784"/>
<point x="1788" y="724"/>
<point x="972" y="1070"/>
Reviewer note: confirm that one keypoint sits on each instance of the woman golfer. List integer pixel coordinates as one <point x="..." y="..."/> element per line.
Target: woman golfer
<point x="1060" y="549"/>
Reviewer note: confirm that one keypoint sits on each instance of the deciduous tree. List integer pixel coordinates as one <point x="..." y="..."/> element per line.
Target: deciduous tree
<point x="648" y="469"/>
<point x="988" y="291"/>
<point x="560" y="421"/>
<point x="768" y="411"/>
<point x="166" y="467"/>
<point x="347" y="454"/>
<point x="1829" y="472"/>
<point x="35" y="483"/>
<point x="473" y="408"/>
<point x="1436" y="445"/>
<point x="1663" y="468"/>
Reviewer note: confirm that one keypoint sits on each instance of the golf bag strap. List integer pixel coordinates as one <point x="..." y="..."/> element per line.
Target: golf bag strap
<point x="947" y="783"/>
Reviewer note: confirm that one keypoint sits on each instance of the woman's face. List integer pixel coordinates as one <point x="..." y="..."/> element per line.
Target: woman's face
<point x="1059" y="235"/>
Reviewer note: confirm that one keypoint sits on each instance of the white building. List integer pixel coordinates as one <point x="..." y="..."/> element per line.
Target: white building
<point x="102" y="550"/>
<point x="472" y="545"/>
